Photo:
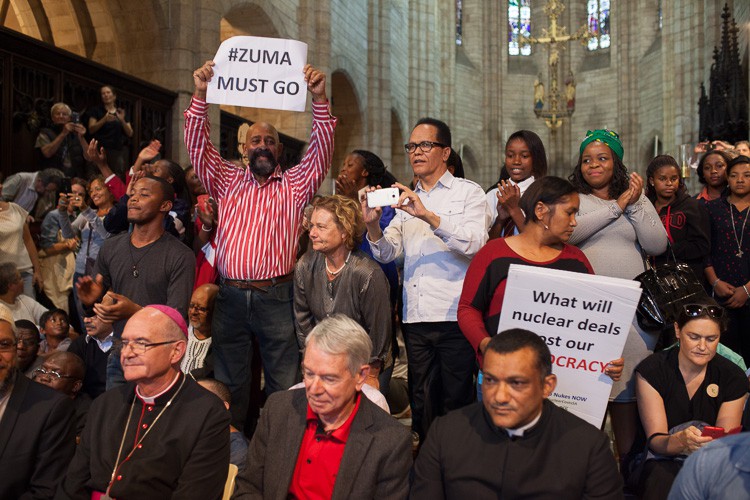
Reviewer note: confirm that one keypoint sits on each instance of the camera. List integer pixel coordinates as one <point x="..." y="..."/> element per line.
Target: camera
<point x="75" y="117"/>
<point x="382" y="197"/>
<point x="66" y="185"/>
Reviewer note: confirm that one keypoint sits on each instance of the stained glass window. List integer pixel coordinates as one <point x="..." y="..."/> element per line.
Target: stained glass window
<point x="598" y="21"/>
<point x="519" y="27"/>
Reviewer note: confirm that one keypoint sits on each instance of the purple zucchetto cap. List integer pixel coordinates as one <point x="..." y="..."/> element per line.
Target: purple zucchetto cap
<point x="173" y="314"/>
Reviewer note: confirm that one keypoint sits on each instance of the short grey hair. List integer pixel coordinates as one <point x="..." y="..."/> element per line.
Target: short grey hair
<point x="60" y="106"/>
<point x="339" y="334"/>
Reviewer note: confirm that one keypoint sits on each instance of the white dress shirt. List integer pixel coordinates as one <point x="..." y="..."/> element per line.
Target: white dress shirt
<point x="436" y="260"/>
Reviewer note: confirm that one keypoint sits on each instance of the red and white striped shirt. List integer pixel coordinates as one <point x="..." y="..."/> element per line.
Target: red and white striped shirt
<point x="259" y="225"/>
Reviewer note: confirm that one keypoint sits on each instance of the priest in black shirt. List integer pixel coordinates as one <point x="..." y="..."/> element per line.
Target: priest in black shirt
<point x="515" y="443"/>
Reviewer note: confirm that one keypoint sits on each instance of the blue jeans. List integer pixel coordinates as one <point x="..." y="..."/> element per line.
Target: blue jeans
<point x="28" y="284"/>
<point x="241" y="316"/>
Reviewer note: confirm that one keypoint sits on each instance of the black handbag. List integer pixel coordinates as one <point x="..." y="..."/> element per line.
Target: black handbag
<point x="666" y="289"/>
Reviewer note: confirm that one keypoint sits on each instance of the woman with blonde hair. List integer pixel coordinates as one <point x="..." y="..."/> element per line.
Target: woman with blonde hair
<point x="335" y="276"/>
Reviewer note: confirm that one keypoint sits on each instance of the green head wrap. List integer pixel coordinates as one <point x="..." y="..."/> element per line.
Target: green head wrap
<point x="608" y="137"/>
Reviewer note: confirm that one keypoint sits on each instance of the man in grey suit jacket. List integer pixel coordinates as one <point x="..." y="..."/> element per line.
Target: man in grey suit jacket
<point x="328" y="440"/>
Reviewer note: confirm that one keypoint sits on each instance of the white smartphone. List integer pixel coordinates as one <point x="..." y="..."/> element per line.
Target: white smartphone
<point x="382" y="197"/>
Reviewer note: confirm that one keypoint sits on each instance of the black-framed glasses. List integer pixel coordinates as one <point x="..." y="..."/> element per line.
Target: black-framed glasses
<point x="200" y="309"/>
<point x="27" y="342"/>
<point x="696" y="310"/>
<point x="139" y="346"/>
<point x="425" y="146"/>
<point x="52" y="373"/>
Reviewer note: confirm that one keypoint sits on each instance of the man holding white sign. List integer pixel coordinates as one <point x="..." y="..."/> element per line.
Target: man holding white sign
<point x="260" y="210"/>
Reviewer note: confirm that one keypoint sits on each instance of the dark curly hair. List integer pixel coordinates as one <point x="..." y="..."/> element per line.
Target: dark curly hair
<point x="657" y="163"/>
<point x="618" y="184"/>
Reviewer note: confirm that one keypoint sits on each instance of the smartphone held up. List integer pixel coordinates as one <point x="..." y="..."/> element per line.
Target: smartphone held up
<point x="382" y="197"/>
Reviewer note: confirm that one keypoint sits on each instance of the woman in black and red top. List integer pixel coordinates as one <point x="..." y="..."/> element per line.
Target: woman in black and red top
<point x="728" y="269"/>
<point x="550" y="205"/>
<point x="684" y="218"/>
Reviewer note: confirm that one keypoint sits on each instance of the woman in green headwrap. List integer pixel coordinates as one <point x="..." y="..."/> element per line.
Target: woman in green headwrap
<point x="616" y="221"/>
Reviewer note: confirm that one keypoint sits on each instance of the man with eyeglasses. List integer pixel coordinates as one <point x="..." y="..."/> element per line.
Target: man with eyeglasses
<point x="36" y="427"/>
<point x="159" y="436"/>
<point x="198" y="359"/>
<point x="439" y="226"/>
<point x="64" y="371"/>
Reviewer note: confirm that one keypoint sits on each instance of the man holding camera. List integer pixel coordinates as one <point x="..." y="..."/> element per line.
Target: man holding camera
<point x="62" y="146"/>
<point x="439" y="226"/>
<point x="260" y="213"/>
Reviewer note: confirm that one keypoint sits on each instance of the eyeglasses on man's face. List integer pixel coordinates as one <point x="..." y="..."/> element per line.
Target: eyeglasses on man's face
<point x="27" y="342"/>
<point x="139" y="346"/>
<point x="52" y="373"/>
<point x="197" y="308"/>
<point x="424" y="146"/>
<point x="7" y="345"/>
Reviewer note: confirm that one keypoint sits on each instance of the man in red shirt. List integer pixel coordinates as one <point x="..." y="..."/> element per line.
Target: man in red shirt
<point x="260" y="211"/>
<point x="328" y="441"/>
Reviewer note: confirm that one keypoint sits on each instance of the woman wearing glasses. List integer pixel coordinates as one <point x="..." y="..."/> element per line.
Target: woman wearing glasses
<point x="682" y="389"/>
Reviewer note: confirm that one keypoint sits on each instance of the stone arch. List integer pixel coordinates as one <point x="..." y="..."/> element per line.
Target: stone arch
<point x="84" y="27"/>
<point x="399" y="161"/>
<point x="345" y="106"/>
<point x="71" y="26"/>
<point x="29" y="17"/>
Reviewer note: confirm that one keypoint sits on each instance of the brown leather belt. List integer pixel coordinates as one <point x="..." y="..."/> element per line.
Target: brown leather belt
<point x="259" y="285"/>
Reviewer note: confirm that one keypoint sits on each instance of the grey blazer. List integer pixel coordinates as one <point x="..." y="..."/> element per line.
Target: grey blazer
<point x="376" y="460"/>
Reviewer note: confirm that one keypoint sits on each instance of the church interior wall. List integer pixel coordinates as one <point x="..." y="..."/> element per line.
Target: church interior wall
<point x="399" y="61"/>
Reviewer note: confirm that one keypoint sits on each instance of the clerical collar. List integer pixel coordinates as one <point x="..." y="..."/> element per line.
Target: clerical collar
<point x="152" y="400"/>
<point x="521" y="430"/>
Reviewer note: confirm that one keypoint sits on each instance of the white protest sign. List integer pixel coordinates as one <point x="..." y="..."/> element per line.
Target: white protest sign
<point x="257" y="72"/>
<point x="584" y="320"/>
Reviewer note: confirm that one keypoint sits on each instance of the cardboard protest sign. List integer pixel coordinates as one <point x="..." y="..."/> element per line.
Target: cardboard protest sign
<point x="258" y="72"/>
<point x="584" y="320"/>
